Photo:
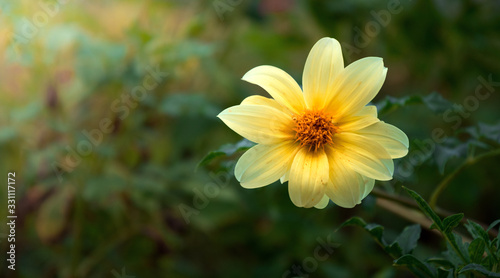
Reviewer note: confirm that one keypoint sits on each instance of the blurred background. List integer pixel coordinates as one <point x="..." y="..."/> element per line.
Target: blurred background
<point x="108" y="107"/>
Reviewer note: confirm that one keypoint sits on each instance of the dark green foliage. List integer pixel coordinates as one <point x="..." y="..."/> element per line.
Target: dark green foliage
<point x="457" y="260"/>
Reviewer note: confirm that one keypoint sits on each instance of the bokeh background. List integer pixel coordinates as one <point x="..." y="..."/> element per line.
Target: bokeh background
<point x="108" y="107"/>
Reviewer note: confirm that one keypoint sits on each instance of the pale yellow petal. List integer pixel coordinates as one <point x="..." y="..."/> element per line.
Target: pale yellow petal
<point x="281" y="86"/>
<point x="323" y="202"/>
<point x="259" y="123"/>
<point x="260" y="100"/>
<point x="357" y="85"/>
<point x="285" y="177"/>
<point x="366" y="157"/>
<point x="365" y="117"/>
<point x="369" y="184"/>
<point x="264" y="164"/>
<point x="323" y="65"/>
<point x="390" y="137"/>
<point x="308" y="177"/>
<point x="346" y="187"/>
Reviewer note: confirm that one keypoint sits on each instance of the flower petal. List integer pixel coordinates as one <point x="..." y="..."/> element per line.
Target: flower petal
<point x="369" y="184"/>
<point x="323" y="65"/>
<point x="308" y="177"/>
<point x="346" y="188"/>
<point x="264" y="164"/>
<point x="259" y="123"/>
<point x="281" y="86"/>
<point x="390" y="137"/>
<point x="364" y="156"/>
<point x="323" y="202"/>
<point x="357" y="85"/>
<point x="285" y="177"/>
<point x="260" y="100"/>
<point x="365" y="117"/>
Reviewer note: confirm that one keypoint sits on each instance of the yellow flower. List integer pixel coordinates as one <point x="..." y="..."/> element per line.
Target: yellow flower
<point x="325" y="141"/>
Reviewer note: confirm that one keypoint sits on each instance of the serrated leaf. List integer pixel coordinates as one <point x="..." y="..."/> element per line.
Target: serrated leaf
<point x="391" y="103"/>
<point x="426" y="209"/>
<point x="436" y="103"/>
<point x="491" y="132"/>
<point x="415" y="263"/>
<point x="476" y="250"/>
<point x="408" y="239"/>
<point x="445" y="152"/>
<point x="226" y="150"/>
<point x="479" y="268"/>
<point x="375" y="230"/>
<point x="450" y="222"/>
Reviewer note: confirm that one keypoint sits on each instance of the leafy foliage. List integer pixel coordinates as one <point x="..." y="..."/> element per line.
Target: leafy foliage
<point x="459" y="259"/>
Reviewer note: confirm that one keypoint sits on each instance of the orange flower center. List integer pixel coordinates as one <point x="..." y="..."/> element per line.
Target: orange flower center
<point x="314" y="129"/>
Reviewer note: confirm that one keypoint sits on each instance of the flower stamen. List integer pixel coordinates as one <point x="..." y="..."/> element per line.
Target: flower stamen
<point x="314" y="129"/>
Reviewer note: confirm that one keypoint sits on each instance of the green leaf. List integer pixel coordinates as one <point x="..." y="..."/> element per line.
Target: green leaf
<point x="441" y="262"/>
<point x="485" y="131"/>
<point x="479" y="268"/>
<point x="353" y="221"/>
<point x="450" y="222"/>
<point x="407" y="240"/>
<point x="436" y="103"/>
<point x="375" y="230"/>
<point x="442" y="273"/>
<point x="451" y="148"/>
<point x="426" y="209"/>
<point x="477" y="231"/>
<point x="394" y="250"/>
<point x="493" y="225"/>
<point x="226" y="150"/>
<point x="413" y="262"/>
<point x="476" y="250"/>
<point x="390" y="103"/>
<point x="458" y="245"/>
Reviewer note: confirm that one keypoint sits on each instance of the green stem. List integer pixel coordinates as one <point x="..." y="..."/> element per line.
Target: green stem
<point x="468" y="162"/>
<point x="411" y="203"/>
<point x="454" y="245"/>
